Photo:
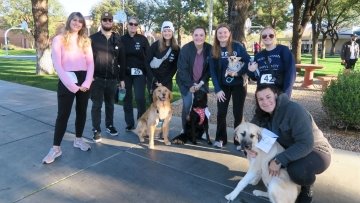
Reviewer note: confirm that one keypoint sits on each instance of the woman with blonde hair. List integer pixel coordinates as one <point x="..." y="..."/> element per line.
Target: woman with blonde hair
<point x="227" y="84"/>
<point x="168" y="49"/>
<point x="275" y="64"/>
<point x="73" y="60"/>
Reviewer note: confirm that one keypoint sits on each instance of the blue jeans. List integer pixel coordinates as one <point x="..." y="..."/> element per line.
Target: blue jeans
<point x="187" y="103"/>
<point x="103" y="90"/>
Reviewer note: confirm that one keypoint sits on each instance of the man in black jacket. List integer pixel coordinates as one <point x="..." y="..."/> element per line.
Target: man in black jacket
<point x="350" y="52"/>
<point x="109" y="60"/>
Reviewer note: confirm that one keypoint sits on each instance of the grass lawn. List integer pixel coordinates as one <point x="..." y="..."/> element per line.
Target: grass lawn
<point x="331" y="63"/>
<point x="18" y="52"/>
<point x="23" y="72"/>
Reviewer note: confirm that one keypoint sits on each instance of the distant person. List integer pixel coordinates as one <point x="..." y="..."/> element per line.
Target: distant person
<point x="350" y="53"/>
<point x="72" y="57"/>
<point x="227" y="84"/>
<point x="307" y="152"/>
<point x="256" y="48"/>
<point x="109" y="59"/>
<point x="136" y="48"/>
<point x="193" y="69"/>
<point x="165" y="48"/>
<point x="275" y="64"/>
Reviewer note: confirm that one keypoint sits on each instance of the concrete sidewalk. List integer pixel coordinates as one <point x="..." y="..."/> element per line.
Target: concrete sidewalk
<point x="122" y="170"/>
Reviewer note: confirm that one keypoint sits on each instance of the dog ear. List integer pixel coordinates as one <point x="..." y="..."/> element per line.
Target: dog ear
<point x="154" y="96"/>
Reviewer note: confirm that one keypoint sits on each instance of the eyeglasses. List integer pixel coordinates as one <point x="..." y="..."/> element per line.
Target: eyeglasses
<point x="265" y="36"/>
<point x="133" y="24"/>
<point x="107" y="20"/>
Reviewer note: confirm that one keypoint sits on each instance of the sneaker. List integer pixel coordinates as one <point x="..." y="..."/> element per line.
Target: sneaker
<point x="81" y="144"/>
<point x="52" y="155"/>
<point x="97" y="136"/>
<point x="238" y="148"/>
<point x="129" y="128"/>
<point x="111" y="130"/>
<point x="218" y="144"/>
<point x="306" y="194"/>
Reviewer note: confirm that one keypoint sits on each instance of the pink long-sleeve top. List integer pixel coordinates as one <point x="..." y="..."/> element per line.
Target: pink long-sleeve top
<point x="72" y="58"/>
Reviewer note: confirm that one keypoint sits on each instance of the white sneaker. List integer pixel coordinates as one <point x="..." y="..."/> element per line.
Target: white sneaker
<point x="218" y="144"/>
<point x="238" y="148"/>
<point x="81" y="144"/>
<point x="52" y="155"/>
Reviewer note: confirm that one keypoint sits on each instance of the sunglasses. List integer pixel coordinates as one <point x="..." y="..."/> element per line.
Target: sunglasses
<point x="133" y="24"/>
<point x="265" y="36"/>
<point x="107" y="20"/>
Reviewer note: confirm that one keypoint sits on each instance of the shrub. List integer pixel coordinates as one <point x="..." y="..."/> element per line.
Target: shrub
<point x="341" y="100"/>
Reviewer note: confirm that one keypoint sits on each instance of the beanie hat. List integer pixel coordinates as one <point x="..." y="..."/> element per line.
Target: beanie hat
<point x="167" y="25"/>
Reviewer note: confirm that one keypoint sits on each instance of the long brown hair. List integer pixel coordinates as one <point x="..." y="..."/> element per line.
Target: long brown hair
<point x="83" y="39"/>
<point x="173" y="43"/>
<point x="216" y="45"/>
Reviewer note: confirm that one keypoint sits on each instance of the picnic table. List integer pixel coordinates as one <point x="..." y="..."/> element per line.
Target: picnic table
<point x="309" y="73"/>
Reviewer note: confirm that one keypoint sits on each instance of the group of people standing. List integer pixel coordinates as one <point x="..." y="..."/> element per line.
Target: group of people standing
<point x="106" y="61"/>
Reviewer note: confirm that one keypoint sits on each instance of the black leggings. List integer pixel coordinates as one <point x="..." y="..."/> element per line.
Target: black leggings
<point x="238" y="95"/>
<point x="65" y="102"/>
<point x="303" y="171"/>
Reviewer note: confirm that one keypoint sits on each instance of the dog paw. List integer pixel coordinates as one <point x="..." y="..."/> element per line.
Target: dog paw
<point x="230" y="197"/>
<point x="151" y="146"/>
<point x="177" y="141"/>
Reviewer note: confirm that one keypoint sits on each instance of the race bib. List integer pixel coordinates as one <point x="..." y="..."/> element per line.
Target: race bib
<point x="268" y="139"/>
<point x="136" y="71"/>
<point x="267" y="79"/>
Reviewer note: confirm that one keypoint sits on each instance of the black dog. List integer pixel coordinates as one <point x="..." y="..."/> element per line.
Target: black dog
<point x="198" y="124"/>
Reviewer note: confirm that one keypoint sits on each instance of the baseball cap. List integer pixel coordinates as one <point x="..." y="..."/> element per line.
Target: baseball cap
<point x="167" y="25"/>
<point x="107" y="15"/>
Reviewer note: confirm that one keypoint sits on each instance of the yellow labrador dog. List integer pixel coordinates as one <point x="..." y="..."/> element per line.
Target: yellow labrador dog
<point x="157" y="117"/>
<point x="280" y="188"/>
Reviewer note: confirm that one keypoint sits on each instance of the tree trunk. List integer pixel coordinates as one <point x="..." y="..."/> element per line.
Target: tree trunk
<point x="238" y="13"/>
<point x="323" y="44"/>
<point x="41" y="31"/>
<point x="299" y="24"/>
<point x="315" y="37"/>
<point x="334" y="39"/>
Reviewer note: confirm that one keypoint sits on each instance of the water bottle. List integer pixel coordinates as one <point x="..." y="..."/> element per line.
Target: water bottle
<point x="122" y="93"/>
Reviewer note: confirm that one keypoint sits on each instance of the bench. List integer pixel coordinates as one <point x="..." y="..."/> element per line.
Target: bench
<point x="309" y="73"/>
<point x="325" y="80"/>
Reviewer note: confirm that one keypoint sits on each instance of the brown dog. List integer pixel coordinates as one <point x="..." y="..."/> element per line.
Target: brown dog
<point x="157" y="117"/>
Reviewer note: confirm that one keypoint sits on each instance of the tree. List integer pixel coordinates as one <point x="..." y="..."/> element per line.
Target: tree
<point x="97" y="10"/>
<point x="303" y="11"/>
<point x="316" y="27"/>
<point x="272" y="12"/>
<point x="339" y="14"/>
<point x="238" y="13"/>
<point x="182" y="12"/>
<point x="41" y="30"/>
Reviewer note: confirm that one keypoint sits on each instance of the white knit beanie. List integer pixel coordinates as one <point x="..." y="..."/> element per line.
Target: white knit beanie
<point x="167" y="25"/>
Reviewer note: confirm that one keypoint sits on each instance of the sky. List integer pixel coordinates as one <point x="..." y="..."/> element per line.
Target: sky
<point x="82" y="6"/>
